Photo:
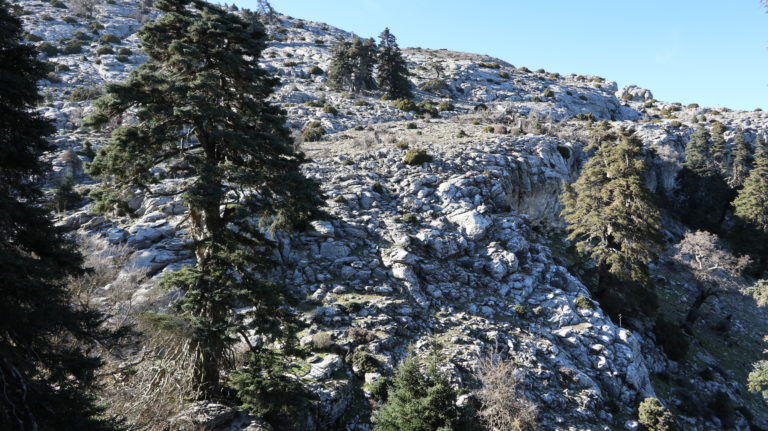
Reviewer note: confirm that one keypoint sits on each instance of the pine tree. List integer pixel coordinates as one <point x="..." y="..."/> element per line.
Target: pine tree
<point x="751" y="204"/>
<point x="45" y="376"/>
<point x="718" y="147"/>
<point x="202" y="111"/>
<point x="419" y="401"/>
<point x="698" y="153"/>
<point x="742" y="161"/>
<point x="352" y="65"/>
<point x="392" y="75"/>
<point x="610" y="214"/>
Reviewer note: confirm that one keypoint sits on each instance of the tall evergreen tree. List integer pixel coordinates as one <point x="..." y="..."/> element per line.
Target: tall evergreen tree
<point x="45" y="376"/>
<point x="702" y="194"/>
<point x="610" y="213"/>
<point x="742" y="161"/>
<point x="698" y="153"/>
<point x="392" y="75"/>
<point x="352" y="65"/>
<point x="751" y="204"/>
<point x="718" y="147"/>
<point x="202" y="111"/>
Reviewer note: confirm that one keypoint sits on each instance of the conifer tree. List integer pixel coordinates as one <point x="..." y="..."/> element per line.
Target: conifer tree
<point x="742" y="161"/>
<point x="718" y="147"/>
<point x="609" y="211"/>
<point x="45" y="376"/>
<point x="703" y="195"/>
<point x="202" y="114"/>
<point x="352" y="65"/>
<point x="698" y="153"/>
<point x="392" y="75"/>
<point x="419" y="401"/>
<point x="751" y="204"/>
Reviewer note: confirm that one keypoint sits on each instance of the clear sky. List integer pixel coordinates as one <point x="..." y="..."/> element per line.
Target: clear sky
<point x="712" y="52"/>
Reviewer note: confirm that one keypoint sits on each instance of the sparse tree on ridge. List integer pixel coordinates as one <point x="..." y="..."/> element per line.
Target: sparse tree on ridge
<point x="741" y="161"/>
<point x="718" y="147"/>
<point x="45" y="375"/>
<point x="392" y="74"/>
<point x="352" y="65"/>
<point x="751" y="204"/>
<point x="202" y="114"/>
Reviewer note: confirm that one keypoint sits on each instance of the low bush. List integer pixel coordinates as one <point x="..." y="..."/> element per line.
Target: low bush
<point x="73" y="47"/>
<point x="411" y="126"/>
<point x="32" y="37"/>
<point x="312" y="132"/>
<point x="316" y="70"/>
<point x="503" y="75"/>
<point x="461" y="134"/>
<point x="109" y="38"/>
<point x="416" y="157"/>
<point x="583" y="302"/>
<point x="407" y="105"/>
<point x="446" y="106"/>
<point x="655" y="417"/>
<point x="124" y="51"/>
<point x="123" y="59"/>
<point x="105" y="50"/>
<point x="48" y="49"/>
<point x="549" y="93"/>
<point x="329" y="109"/>
<point x="80" y="94"/>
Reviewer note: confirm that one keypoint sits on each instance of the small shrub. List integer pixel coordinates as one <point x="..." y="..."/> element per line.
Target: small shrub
<point x="47" y="18"/>
<point x="536" y="99"/>
<point x="626" y="96"/>
<point x="427" y="107"/>
<point x="378" y="188"/>
<point x="524" y="69"/>
<point x="109" y="38"/>
<point x="290" y="64"/>
<point x="446" y="106"/>
<point x="328" y="109"/>
<point x="676" y="123"/>
<point x="416" y="157"/>
<point x="503" y="75"/>
<point x="48" y="49"/>
<point x="502" y="405"/>
<point x="361" y="103"/>
<point x="405" y="105"/>
<point x="316" y="70"/>
<point x="434" y="86"/>
<point x="124" y="51"/>
<point x="79" y="35"/>
<point x="649" y="104"/>
<point x="410" y="218"/>
<point x="95" y="26"/>
<point x="583" y="302"/>
<point x="519" y="309"/>
<point x="32" y="37"/>
<point x="359" y="128"/>
<point x="317" y="103"/>
<point x="586" y="117"/>
<point x="347" y="162"/>
<point x="73" y="47"/>
<point x="411" y="126"/>
<point x="105" y="50"/>
<point x="655" y="417"/>
<point x="461" y="134"/>
<point x="488" y="129"/>
<point x="583" y="97"/>
<point x="65" y="197"/>
<point x="401" y="145"/>
<point x="363" y="362"/>
<point x="58" y="4"/>
<point x="490" y="65"/>
<point x="312" y="132"/>
<point x="548" y="93"/>
<point x="123" y="59"/>
<point x="340" y="199"/>
<point x="541" y="71"/>
<point x="693" y="105"/>
<point x="80" y="94"/>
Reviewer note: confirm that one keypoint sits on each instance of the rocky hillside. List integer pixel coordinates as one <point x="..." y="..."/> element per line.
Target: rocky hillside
<point x="462" y="251"/>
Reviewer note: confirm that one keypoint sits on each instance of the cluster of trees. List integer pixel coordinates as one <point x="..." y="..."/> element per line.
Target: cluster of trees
<point x="201" y="111"/>
<point x="353" y="63"/>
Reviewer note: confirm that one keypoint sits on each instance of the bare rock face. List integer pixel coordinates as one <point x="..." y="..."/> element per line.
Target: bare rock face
<point x="634" y="93"/>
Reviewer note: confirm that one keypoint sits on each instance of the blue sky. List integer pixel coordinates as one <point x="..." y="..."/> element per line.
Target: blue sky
<point x="711" y="52"/>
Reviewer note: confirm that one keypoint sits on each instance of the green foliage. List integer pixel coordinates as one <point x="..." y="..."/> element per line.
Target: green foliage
<point x="378" y="188"/>
<point x="407" y="105"/>
<point x="109" y="38"/>
<point x="410" y="218"/>
<point x="234" y="142"/>
<point x="742" y="161"/>
<point x="503" y="75"/>
<point x="266" y="391"/>
<point x="72" y="47"/>
<point x="671" y="338"/>
<point x="434" y="85"/>
<point x="363" y="362"/>
<point x="411" y="126"/>
<point x="124" y="51"/>
<point x="461" y="134"/>
<point x="751" y="203"/>
<point x="582" y="301"/>
<point x="80" y="94"/>
<point x="79" y="35"/>
<point x="426" y="107"/>
<point x="418" y="401"/>
<point x="416" y="157"/>
<point x="758" y="379"/>
<point x="489" y="65"/>
<point x="32" y="37"/>
<point x="329" y="109"/>
<point x="47" y="370"/>
<point x="392" y="74"/>
<point x="105" y="50"/>
<point x="586" y="117"/>
<point x="123" y="59"/>
<point x="446" y="106"/>
<point x="548" y="93"/>
<point x="352" y="65"/>
<point x="65" y="197"/>
<point x="316" y="70"/>
<point x="610" y="214"/>
<point x="312" y="132"/>
<point x="48" y="49"/>
<point x="58" y="4"/>
<point x="655" y="417"/>
<point x="402" y="145"/>
<point x="718" y="146"/>
<point x="519" y="309"/>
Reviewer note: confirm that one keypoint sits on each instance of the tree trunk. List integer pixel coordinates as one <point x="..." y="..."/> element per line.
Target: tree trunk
<point x="694" y="313"/>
